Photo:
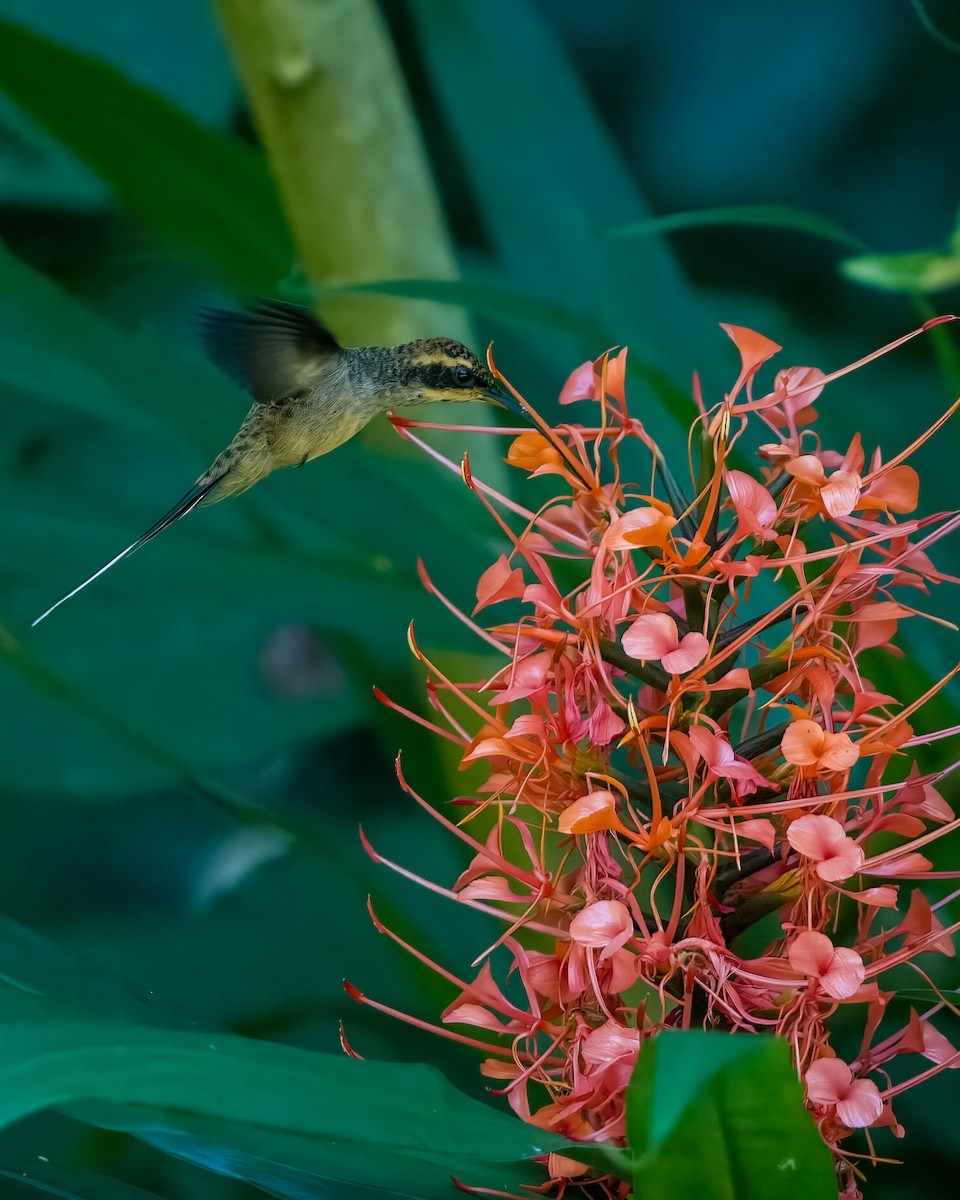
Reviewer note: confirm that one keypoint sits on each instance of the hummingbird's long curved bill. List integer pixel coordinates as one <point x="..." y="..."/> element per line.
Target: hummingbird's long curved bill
<point x="186" y="504"/>
<point x="499" y="395"/>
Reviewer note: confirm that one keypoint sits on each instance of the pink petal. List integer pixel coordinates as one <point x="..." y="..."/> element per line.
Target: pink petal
<point x="830" y="1082"/>
<point x="499" y="582"/>
<point x="807" y="468"/>
<point x="840" y="971"/>
<point x="826" y="1079"/>
<point x="936" y="1047"/>
<point x="791" y="381"/>
<point x="758" y="830"/>
<point x="580" y="386"/>
<point x="651" y="636"/>
<point x="527" y="676"/>
<point x="604" y="925"/>
<point x="877" y="897"/>
<point x="604" y="724"/>
<point x="840" y="493"/>
<point x="609" y="1042"/>
<point x="815" y="835"/>
<point x="811" y="953"/>
<point x="689" y="654"/>
<point x="844" y="975"/>
<point x="841" y="865"/>
<point x="755" y="507"/>
<point x="822" y="839"/>
<point x="472" y="1014"/>
<point x="715" y="751"/>
<point x="862" y="1104"/>
<point x="906" y="864"/>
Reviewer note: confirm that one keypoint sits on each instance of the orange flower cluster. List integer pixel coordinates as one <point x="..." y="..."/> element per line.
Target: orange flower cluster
<point x="681" y="743"/>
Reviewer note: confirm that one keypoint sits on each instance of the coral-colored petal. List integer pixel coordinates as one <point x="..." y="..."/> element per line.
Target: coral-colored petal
<point x="755" y="508"/>
<point x="590" y="814"/>
<point x="839" y="970"/>
<point x="811" y="953"/>
<point x="807" y="468"/>
<point x="906" y="864"/>
<point x="845" y="973"/>
<point x="644" y="526"/>
<point x="754" y="348"/>
<point x="609" y="1042"/>
<point x="802" y="742"/>
<point x="897" y="490"/>
<point x="840" y="493"/>
<point x="758" y="830"/>
<point x="823" y="839"/>
<point x="616" y="376"/>
<point x="581" y="385"/>
<point x="499" y="582"/>
<point x="839" y="752"/>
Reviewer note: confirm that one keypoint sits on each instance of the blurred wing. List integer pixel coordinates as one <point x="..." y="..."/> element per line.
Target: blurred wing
<point x="271" y="349"/>
<point x="189" y="502"/>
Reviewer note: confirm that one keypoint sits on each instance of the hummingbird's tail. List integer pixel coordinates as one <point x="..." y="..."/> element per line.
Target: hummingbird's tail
<point x="197" y="494"/>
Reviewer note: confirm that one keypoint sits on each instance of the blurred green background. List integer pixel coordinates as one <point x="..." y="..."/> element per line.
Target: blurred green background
<point x="186" y="749"/>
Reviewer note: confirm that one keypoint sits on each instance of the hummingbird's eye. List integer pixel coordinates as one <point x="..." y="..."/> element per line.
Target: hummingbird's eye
<point x="462" y="376"/>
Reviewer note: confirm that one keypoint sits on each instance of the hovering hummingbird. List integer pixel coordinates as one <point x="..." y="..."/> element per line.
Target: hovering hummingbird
<point x="310" y="395"/>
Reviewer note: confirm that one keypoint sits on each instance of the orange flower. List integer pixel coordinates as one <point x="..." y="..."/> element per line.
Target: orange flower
<point x="814" y="751"/>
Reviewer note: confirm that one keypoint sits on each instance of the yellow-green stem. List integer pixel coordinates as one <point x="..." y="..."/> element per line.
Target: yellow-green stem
<point x="331" y="106"/>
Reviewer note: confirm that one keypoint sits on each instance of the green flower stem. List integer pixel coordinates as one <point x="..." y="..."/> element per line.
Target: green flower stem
<point x="760" y="624"/>
<point x="730" y="873"/>
<point x="678" y="501"/>
<point x="761" y="743"/>
<point x="694" y="607"/>
<point x="765" y="671"/>
<point x="732" y="924"/>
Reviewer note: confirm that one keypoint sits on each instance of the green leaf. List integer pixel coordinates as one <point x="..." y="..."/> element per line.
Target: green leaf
<point x="208" y="194"/>
<point x="38" y="978"/>
<point x="923" y="271"/>
<point x="289" y="1121"/>
<point x="721" y="1117"/>
<point x="544" y="203"/>
<point x="775" y="216"/>
<point x="30" y="1179"/>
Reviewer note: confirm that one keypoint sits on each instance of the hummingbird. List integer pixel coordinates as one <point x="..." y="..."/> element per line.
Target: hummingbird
<point x="310" y="395"/>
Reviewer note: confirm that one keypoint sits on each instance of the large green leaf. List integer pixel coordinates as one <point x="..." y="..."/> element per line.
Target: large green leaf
<point x="288" y="1120"/>
<point x="208" y="194"/>
<point x="721" y="1117"/>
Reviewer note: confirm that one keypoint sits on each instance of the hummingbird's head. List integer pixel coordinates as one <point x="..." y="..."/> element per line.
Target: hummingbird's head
<point x="440" y="369"/>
